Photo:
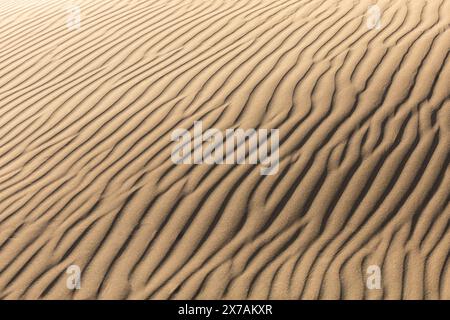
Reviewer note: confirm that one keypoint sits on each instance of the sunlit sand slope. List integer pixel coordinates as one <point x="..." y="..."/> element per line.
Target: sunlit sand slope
<point x="86" y="176"/>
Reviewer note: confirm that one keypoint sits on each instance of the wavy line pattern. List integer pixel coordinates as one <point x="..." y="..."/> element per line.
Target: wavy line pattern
<point x="86" y="177"/>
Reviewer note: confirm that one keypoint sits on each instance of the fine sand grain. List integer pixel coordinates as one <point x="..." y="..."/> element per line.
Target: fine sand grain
<point x="86" y="176"/>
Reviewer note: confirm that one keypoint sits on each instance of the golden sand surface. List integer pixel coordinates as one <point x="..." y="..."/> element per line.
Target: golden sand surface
<point x="91" y="91"/>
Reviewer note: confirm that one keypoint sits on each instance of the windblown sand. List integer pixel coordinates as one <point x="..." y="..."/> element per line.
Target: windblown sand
<point x="86" y="176"/>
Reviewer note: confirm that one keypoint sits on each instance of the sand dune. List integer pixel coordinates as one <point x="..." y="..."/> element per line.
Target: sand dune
<point x="87" y="109"/>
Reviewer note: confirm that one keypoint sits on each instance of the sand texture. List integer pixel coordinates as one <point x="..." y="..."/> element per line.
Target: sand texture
<point x="86" y="175"/>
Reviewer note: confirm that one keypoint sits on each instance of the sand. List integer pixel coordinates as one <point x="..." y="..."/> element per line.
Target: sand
<point x="87" y="108"/>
